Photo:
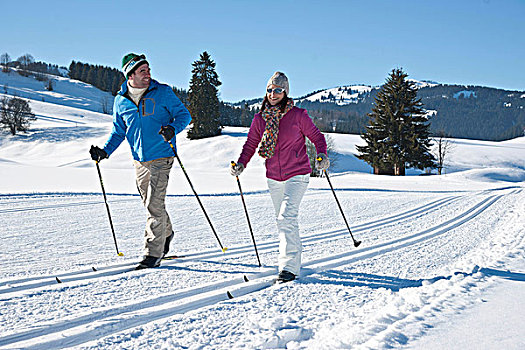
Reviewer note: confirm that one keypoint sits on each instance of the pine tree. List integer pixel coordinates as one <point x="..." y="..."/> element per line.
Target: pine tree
<point x="203" y="99"/>
<point x="398" y="132"/>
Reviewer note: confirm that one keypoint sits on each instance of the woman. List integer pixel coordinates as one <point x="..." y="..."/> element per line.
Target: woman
<point x="280" y="129"/>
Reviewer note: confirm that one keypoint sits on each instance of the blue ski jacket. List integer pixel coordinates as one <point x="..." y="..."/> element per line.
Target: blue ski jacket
<point x="140" y="124"/>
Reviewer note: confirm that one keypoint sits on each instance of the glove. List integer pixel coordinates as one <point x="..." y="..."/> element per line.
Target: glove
<point x="236" y="169"/>
<point x="322" y="162"/>
<point x="97" y="154"/>
<point x="167" y="132"/>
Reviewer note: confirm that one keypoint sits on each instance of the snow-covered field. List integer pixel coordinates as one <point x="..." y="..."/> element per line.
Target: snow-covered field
<point x="441" y="265"/>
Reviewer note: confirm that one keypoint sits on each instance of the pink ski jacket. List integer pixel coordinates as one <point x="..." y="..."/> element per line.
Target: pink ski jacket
<point x="290" y="158"/>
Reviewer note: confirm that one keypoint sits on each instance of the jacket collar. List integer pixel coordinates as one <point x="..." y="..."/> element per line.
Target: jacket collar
<point x="124" y="87"/>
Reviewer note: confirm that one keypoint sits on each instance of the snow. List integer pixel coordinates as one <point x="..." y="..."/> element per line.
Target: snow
<point x="423" y="83"/>
<point x="344" y="95"/>
<point x="341" y="95"/>
<point x="67" y="92"/>
<point x="441" y="264"/>
<point x="465" y="94"/>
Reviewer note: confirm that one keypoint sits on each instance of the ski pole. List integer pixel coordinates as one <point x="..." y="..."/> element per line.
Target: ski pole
<point x="196" y="196"/>
<point x="107" y="208"/>
<point x="247" y="217"/>
<point x="356" y="243"/>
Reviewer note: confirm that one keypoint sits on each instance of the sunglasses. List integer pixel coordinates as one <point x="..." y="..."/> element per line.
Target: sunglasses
<point x="138" y="58"/>
<point x="276" y="90"/>
<point x="134" y="60"/>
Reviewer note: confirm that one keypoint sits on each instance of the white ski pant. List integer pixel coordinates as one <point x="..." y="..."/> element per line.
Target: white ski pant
<point x="152" y="182"/>
<point x="286" y="197"/>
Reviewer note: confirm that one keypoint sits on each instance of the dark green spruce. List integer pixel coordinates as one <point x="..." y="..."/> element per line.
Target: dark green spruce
<point x="398" y="134"/>
<point x="203" y="99"/>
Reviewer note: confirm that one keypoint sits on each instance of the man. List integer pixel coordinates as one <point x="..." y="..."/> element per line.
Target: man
<point x="148" y="114"/>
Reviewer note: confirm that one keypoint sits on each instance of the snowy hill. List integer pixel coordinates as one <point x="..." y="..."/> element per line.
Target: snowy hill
<point x="344" y="95"/>
<point x="66" y="92"/>
<point x="440" y="254"/>
<point x="341" y="95"/>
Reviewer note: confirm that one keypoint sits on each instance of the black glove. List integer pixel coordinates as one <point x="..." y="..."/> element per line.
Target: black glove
<point x="97" y="154"/>
<point x="167" y="132"/>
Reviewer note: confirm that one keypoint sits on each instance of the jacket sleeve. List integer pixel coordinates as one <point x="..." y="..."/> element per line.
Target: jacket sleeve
<point x="312" y="132"/>
<point x="252" y="141"/>
<point x="118" y="133"/>
<point x="180" y="116"/>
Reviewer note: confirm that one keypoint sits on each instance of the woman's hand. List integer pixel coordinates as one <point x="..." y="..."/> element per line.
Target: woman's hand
<point x="236" y="169"/>
<point x="322" y="162"/>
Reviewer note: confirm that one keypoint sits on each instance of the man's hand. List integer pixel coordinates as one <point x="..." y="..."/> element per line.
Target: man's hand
<point x="167" y="132"/>
<point x="97" y="154"/>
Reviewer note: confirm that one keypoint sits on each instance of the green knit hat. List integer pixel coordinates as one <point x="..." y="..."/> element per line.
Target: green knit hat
<point x="132" y="61"/>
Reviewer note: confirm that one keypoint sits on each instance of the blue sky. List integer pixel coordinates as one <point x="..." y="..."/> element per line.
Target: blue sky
<point x="318" y="44"/>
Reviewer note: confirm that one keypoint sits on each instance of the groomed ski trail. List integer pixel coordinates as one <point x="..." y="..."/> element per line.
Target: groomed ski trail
<point x="10" y="287"/>
<point x="76" y="331"/>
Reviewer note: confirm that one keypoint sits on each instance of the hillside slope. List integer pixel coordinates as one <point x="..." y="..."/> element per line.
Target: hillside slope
<point x="66" y="92"/>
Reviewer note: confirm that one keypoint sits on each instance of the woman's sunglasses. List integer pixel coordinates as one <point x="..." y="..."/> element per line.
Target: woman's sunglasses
<point x="276" y="90"/>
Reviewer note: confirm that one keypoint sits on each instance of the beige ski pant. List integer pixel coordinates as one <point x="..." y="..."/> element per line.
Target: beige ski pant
<point x="152" y="182"/>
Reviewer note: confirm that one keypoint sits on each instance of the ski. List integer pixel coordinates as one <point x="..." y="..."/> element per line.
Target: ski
<point x="173" y="257"/>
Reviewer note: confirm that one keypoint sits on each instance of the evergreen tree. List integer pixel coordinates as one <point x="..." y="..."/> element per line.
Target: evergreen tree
<point x="398" y="132"/>
<point x="203" y="99"/>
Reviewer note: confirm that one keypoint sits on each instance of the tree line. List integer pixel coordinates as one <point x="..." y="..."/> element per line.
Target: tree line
<point x="105" y="78"/>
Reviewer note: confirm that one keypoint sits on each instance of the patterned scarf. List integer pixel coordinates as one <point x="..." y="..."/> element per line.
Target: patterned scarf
<point x="272" y="115"/>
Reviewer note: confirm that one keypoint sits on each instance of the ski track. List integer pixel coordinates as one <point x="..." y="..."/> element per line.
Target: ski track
<point x="93" y="325"/>
<point x="14" y="285"/>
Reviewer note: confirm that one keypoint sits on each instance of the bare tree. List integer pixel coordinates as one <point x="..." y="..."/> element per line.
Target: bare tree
<point x="15" y="114"/>
<point x="26" y="60"/>
<point x="312" y="154"/>
<point x="4" y="60"/>
<point x="441" y="150"/>
<point x="106" y="104"/>
<point x="50" y="84"/>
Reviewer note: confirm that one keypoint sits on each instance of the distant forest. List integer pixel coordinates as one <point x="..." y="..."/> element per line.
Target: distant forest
<point x="483" y="114"/>
<point x="470" y="112"/>
<point x="105" y="78"/>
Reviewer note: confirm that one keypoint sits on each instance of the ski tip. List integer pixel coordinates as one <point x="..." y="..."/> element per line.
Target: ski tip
<point x="357" y="244"/>
<point x="95" y="270"/>
<point x="224" y="249"/>
<point x="120" y="254"/>
<point x="58" y="281"/>
<point x="245" y="278"/>
<point x="230" y="296"/>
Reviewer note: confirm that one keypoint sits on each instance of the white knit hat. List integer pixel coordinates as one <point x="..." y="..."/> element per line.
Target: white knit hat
<point x="280" y="79"/>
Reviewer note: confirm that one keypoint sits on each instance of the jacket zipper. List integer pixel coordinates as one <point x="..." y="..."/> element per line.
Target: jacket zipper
<point x="138" y="111"/>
